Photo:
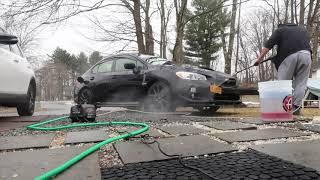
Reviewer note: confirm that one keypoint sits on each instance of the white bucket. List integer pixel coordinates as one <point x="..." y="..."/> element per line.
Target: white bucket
<point x="276" y="100"/>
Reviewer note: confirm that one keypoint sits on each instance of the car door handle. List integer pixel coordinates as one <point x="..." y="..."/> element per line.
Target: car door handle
<point x="16" y="61"/>
<point x="92" y="78"/>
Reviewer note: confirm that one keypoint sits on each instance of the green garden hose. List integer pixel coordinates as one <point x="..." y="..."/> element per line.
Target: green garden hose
<point x="54" y="172"/>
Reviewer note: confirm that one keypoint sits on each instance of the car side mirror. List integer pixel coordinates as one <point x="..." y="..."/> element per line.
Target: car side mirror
<point x="137" y="70"/>
<point x="8" y="39"/>
<point x="81" y="80"/>
<point x="129" y="66"/>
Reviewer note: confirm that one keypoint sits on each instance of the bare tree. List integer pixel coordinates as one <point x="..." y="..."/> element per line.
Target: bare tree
<point x="238" y="38"/>
<point x="286" y="14"/>
<point x="228" y="52"/>
<point x="313" y="29"/>
<point x="301" y="14"/>
<point x="292" y="11"/>
<point x="164" y="18"/>
<point x="180" y="9"/>
<point x="148" y="30"/>
<point x="135" y="10"/>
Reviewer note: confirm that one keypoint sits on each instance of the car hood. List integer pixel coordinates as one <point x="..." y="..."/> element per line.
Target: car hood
<point x="215" y="77"/>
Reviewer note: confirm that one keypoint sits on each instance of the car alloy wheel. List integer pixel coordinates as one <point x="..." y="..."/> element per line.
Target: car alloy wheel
<point x="159" y="98"/>
<point x="27" y="108"/>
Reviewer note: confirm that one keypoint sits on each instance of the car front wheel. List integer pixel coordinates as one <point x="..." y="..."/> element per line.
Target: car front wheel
<point x="27" y="108"/>
<point x="159" y="98"/>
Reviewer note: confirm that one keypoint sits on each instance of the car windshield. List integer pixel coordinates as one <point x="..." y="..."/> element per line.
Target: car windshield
<point x="156" y="61"/>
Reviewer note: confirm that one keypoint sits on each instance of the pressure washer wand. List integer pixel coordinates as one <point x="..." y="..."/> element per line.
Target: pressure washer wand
<point x="268" y="59"/>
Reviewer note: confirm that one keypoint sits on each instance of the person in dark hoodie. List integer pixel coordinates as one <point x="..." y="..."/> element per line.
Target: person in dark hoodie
<point x="293" y="59"/>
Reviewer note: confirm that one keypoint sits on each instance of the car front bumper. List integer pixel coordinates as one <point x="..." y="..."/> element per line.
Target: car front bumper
<point x="198" y="94"/>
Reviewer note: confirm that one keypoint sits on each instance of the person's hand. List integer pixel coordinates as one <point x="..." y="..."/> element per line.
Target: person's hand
<point x="258" y="61"/>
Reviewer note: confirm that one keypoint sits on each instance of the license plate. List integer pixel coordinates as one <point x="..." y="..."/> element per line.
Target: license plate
<point x="216" y="89"/>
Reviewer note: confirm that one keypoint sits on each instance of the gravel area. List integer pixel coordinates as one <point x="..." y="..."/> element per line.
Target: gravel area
<point x="151" y="119"/>
<point x="108" y="157"/>
<point x="58" y="140"/>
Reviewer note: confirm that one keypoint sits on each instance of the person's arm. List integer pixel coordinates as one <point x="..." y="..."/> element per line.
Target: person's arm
<point x="263" y="52"/>
<point x="273" y="40"/>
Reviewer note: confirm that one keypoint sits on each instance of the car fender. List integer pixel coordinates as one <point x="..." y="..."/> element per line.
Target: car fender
<point x="156" y="76"/>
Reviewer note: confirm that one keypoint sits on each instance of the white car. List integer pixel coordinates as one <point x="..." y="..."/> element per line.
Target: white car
<point x="17" y="79"/>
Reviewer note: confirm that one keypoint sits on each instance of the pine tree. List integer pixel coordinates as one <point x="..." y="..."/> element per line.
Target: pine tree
<point x="203" y="32"/>
<point x="94" y="57"/>
<point x="82" y="61"/>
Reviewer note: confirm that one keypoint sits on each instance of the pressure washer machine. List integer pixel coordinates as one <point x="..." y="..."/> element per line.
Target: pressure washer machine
<point x="83" y="113"/>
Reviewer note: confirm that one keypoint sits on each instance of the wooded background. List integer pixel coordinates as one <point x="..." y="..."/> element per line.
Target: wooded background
<point x="206" y="32"/>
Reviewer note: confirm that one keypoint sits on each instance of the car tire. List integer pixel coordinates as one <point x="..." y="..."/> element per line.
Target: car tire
<point x="159" y="98"/>
<point x="27" y="108"/>
<point x="208" y="110"/>
<point x="85" y="96"/>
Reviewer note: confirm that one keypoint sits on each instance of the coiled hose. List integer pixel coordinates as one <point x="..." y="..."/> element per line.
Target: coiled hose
<point x="54" y="172"/>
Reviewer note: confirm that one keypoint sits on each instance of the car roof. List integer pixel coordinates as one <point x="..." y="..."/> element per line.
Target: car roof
<point x="6" y="34"/>
<point x="121" y="55"/>
<point x="143" y="57"/>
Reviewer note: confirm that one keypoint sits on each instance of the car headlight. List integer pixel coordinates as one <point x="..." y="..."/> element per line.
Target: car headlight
<point x="190" y="76"/>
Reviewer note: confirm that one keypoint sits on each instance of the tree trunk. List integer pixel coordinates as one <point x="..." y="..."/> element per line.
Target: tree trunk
<point x="286" y="2"/>
<point x="309" y="18"/>
<point x="295" y="12"/>
<point x="177" y="50"/>
<point x="302" y="10"/>
<point x="181" y="8"/>
<point x="227" y="68"/>
<point x="162" y="28"/>
<point x="138" y="26"/>
<point x="224" y="45"/>
<point x="148" y="31"/>
<point x="238" y="35"/>
<point x="315" y="44"/>
<point x="292" y="11"/>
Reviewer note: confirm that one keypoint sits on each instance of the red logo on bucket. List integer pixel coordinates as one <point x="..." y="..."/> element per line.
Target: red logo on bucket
<point x="287" y="103"/>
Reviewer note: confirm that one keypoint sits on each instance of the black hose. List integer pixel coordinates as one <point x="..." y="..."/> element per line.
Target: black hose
<point x="179" y="156"/>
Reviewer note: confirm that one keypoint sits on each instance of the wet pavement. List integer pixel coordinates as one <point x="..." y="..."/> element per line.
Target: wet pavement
<point x="227" y="148"/>
<point x="29" y="164"/>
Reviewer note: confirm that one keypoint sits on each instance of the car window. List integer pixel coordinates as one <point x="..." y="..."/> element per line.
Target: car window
<point x="104" y="67"/>
<point x="121" y="62"/>
<point x="16" y="50"/>
<point x="139" y="64"/>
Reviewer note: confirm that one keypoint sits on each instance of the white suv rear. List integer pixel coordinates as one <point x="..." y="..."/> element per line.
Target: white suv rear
<point x="17" y="79"/>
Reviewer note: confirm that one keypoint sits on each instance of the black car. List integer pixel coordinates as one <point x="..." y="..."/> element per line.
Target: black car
<point x="155" y="84"/>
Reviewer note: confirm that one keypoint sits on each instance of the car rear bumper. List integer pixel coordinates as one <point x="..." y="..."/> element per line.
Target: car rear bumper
<point x="197" y="94"/>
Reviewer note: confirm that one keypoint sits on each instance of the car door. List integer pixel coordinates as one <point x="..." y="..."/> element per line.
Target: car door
<point x="24" y="69"/>
<point x="101" y="79"/>
<point x="128" y="86"/>
<point x="11" y="72"/>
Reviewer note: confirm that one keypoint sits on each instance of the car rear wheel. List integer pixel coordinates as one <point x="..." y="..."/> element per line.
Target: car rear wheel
<point x="159" y="98"/>
<point x="209" y="109"/>
<point x="27" y="108"/>
<point x="85" y="96"/>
